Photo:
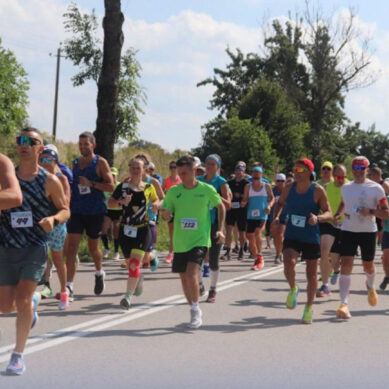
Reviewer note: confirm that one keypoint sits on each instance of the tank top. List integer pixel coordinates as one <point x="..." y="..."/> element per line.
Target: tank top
<point x="19" y="225"/>
<point x="257" y="203"/>
<point x="299" y="207"/>
<point x="152" y="216"/>
<point x="170" y="182"/>
<point x="86" y="200"/>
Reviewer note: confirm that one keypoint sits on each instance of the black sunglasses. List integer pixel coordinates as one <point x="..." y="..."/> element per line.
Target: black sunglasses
<point x="326" y="168"/>
<point x="172" y="167"/>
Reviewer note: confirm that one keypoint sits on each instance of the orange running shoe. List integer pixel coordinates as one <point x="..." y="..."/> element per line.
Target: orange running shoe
<point x="343" y="312"/>
<point x="258" y="264"/>
<point x="169" y="258"/>
<point x="372" y="297"/>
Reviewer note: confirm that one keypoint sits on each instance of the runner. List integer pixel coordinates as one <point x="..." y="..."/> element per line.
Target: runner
<point x="211" y="177"/>
<point x="385" y="249"/>
<point x="24" y="235"/>
<point x="91" y="178"/>
<point x="258" y="197"/>
<point x="134" y="196"/>
<point x="237" y="214"/>
<point x="112" y="220"/>
<point x="56" y="241"/>
<point x="362" y="201"/>
<point x="190" y="202"/>
<point x="170" y="181"/>
<point x="330" y="233"/>
<point x="152" y="173"/>
<point x="326" y="174"/>
<point x="302" y="199"/>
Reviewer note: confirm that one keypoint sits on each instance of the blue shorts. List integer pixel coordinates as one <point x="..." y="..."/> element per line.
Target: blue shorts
<point x="57" y="237"/>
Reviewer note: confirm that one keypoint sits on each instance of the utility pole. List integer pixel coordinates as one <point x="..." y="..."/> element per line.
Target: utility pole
<point x="56" y="91"/>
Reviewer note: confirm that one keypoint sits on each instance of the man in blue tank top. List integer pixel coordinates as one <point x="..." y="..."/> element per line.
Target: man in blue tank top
<point x="303" y="200"/>
<point x="24" y="235"/>
<point x="91" y="178"/>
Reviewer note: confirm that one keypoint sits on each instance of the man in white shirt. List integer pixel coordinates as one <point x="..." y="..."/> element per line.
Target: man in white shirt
<point x="362" y="201"/>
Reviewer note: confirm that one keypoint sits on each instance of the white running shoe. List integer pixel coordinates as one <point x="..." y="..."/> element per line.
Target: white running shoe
<point x="106" y="253"/>
<point x="116" y="257"/>
<point x="196" y="319"/>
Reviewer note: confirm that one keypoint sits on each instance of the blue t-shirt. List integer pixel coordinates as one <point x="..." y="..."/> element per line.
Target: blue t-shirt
<point x="66" y="171"/>
<point x="217" y="182"/>
<point x="158" y="177"/>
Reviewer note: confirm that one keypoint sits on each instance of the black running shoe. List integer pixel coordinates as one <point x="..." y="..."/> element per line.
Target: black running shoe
<point x="99" y="284"/>
<point x="384" y="283"/>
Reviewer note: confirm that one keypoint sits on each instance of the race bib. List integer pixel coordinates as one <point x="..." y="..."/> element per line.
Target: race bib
<point x="255" y="213"/>
<point x="189" y="224"/>
<point x="130" y="231"/>
<point x="84" y="189"/>
<point x="235" y="204"/>
<point x="298" y="221"/>
<point x="21" y="219"/>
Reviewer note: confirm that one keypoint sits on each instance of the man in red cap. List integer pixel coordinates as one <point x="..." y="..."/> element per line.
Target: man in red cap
<point x="303" y="200"/>
<point x="362" y="201"/>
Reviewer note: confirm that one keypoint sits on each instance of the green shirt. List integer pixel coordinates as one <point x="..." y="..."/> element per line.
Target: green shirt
<point x="334" y="194"/>
<point x="192" y="220"/>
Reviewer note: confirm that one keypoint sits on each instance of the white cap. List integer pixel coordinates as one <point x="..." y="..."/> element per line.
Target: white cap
<point x="197" y="161"/>
<point x="280" y="177"/>
<point x="52" y="147"/>
<point x="151" y="166"/>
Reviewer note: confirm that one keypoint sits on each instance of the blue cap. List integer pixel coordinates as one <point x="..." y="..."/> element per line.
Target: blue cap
<point x="257" y="169"/>
<point x="50" y="152"/>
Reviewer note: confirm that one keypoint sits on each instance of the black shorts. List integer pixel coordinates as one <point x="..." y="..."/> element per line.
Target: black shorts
<point x="252" y="225"/>
<point x="327" y="229"/>
<point x="237" y="216"/>
<point x="378" y="221"/>
<point x="385" y="241"/>
<point x="283" y="217"/>
<point x="92" y="224"/>
<point x="335" y="248"/>
<point x="351" y="240"/>
<point x="153" y="238"/>
<point x="307" y="250"/>
<point x="195" y="255"/>
<point x="140" y="242"/>
<point x="268" y="225"/>
<point x="114" y="214"/>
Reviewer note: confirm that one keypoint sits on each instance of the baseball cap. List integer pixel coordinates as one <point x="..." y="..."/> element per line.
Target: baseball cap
<point x="151" y="166"/>
<point x="50" y="146"/>
<point x="327" y="164"/>
<point x="114" y="171"/>
<point x="307" y="163"/>
<point x="280" y="177"/>
<point x="257" y="169"/>
<point x="197" y="161"/>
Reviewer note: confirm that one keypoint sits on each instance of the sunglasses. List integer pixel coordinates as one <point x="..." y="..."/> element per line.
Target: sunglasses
<point x="280" y="181"/>
<point x="326" y="168"/>
<point x="359" y="167"/>
<point x="340" y="177"/>
<point x="45" y="160"/>
<point x="172" y="167"/>
<point x="299" y="169"/>
<point x="26" y="140"/>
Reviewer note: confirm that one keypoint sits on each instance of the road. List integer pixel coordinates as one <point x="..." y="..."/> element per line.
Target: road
<point x="248" y="339"/>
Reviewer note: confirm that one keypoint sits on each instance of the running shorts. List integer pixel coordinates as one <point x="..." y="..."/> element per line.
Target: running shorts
<point x="140" y="242"/>
<point x="92" y="224"/>
<point x="57" y="237"/>
<point x="252" y="225"/>
<point x="195" y="255"/>
<point x="307" y="250"/>
<point x="351" y="240"/>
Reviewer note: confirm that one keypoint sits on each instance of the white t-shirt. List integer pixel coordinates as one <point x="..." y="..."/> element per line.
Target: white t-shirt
<point x="355" y="196"/>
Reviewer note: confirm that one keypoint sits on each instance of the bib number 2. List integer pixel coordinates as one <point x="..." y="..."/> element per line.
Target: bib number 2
<point x="189" y="224"/>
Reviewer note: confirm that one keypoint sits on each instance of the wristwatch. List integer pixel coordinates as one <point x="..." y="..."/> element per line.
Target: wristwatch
<point x="56" y="222"/>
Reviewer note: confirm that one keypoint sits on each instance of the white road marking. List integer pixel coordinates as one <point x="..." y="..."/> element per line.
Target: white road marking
<point x="71" y="333"/>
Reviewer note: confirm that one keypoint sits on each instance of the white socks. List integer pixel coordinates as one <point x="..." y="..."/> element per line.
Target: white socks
<point x="370" y="280"/>
<point x="214" y="278"/>
<point x="344" y="287"/>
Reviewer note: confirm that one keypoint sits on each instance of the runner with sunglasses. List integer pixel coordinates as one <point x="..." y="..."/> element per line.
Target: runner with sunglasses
<point x="330" y="233"/>
<point x="172" y="180"/>
<point x="362" y="201"/>
<point x="258" y="198"/>
<point x="326" y="174"/>
<point x="48" y="160"/>
<point x="303" y="200"/>
<point x="25" y="230"/>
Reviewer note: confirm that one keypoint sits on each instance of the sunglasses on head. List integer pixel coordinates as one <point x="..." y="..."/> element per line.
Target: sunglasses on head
<point x="359" y="167"/>
<point x="326" y="168"/>
<point x="26" y="140"/>
<point x="45" y="160"/>
<point x="300" y="169"/>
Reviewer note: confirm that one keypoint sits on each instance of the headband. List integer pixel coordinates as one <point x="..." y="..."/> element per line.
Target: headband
<point x="215" y="158"/>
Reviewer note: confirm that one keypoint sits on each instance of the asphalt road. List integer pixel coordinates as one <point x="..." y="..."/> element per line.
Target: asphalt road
<point x="248" y="339"/>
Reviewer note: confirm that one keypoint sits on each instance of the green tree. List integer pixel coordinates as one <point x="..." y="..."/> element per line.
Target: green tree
<point x="84" y="49"/>
<point x="13" y="94"/>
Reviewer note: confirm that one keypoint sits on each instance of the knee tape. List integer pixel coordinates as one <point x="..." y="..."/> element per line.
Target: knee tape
<point x="134" y="268"/>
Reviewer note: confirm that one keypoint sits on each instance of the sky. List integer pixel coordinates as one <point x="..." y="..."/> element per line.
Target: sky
<point x="179" y="43"/>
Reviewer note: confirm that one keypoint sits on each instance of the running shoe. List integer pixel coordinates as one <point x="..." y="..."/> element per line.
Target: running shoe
<point x="34" y="307"/>
<point x="372" y="297"/>
<point x="64" y="301"/>
<point x="46" y="292"/>
<point x="343" y="312"/>
<point x="123" y="265"/>
<point x="258" y="264"/>
<point x="307" y="316"/>
<point x="277" y="260"/>
<point x="268" y="247"/>
<point x="206" y="271"/>
<point x="235" y="250"/>
<point x="169" y="258"/>
<point x="195" y="319"/>
<point x="226" y="257"/>
<point x="139" y="287"/>
<point x="99" y="284"/>
<point x="202" y="290"/>
<point x="70" y="293"/>
<point x="324" y="291"/>
<point x="291" y="300"/>
<point x="241" y="254"/>
<point x="245" y="247"/>
<point x="116" y="257"/>
<point x="384" y="283"/>
<point x="125" y="302"/>
<point x="334" y="277"/>
<point x="16" y="365"/>
<point x="106" y="253"/>
<point x="211" y="296"/>
<point x="154" y="263"/>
